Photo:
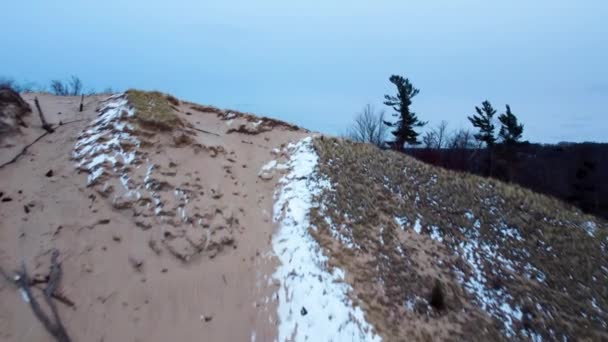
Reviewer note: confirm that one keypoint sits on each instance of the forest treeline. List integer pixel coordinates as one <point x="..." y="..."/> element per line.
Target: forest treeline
<point x="491" y="147"/>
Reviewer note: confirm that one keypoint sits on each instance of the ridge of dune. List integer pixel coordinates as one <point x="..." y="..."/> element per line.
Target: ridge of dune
<point x="163" y="232"/>
<point x="179" y="221"/>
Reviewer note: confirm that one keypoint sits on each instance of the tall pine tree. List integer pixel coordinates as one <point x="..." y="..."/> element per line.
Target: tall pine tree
<point x="510" y="130"/>
<point x="483" y="121"/>
<point x="403" y="128"/>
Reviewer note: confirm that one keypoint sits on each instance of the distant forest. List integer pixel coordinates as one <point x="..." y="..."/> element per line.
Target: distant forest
<point x="572" y="172"/>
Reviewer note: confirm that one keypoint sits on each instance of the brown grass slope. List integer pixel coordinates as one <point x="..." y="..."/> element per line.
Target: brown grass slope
<point x="506" y="263"/>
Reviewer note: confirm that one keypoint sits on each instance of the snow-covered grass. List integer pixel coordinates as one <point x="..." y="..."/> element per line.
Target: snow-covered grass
<point x="313" y="302"/>
<point x="110" y="151"/>
<point x="505" y="246"/>
<point x="106" y="139"/>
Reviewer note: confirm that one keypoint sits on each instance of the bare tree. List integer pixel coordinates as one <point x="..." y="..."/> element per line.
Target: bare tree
<point x="368" y="127"/>
<point x="437" y="137"/>
<point x="441" y="134"/>
<point x="73" y="87"/>
<point x="429" y="140"/>
<point x="58" y="88"/>
<point x="462" y="139"/>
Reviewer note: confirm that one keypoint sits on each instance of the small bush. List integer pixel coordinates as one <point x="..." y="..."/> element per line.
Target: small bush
<point x="172" y="100"/>
<point x="437" y="299"/>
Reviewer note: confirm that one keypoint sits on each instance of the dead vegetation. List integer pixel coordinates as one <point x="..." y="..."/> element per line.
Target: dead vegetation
<point x="52" y="323"/>
<point x="254" y="124"/>
<point x="541" y="258"/>
<point x="206" y="109"/>
<point x="154" y="109"/>
<point x="12" y="110"/>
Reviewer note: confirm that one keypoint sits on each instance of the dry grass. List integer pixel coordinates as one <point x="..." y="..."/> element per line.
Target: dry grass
<point x="558" y="268"/>
<point x="12" y="110"/>
<point x="154" y="109"/>
<point x="206" y="109"/>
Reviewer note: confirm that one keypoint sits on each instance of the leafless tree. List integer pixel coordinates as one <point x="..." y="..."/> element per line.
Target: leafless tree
<point x="441" y="134"/>
<point x="437" y="137"/>
<point x="368" y="127"/>
<point x="73" y="87"/>
<point x="58" y="88"/>
<point x="429" y="140"/>
<point x="462" y="139"/>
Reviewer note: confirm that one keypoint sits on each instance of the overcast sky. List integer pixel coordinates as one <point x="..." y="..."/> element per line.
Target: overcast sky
<point x="316" y="63"/>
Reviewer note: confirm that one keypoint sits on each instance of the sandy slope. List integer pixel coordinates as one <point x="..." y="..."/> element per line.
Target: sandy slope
<point x="190" y="285"/>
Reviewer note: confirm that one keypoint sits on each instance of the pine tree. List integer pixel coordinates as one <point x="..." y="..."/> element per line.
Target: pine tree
<point x="483" y="121"/>
<point x="510" y="131"/>
<point x="406" y="120"/>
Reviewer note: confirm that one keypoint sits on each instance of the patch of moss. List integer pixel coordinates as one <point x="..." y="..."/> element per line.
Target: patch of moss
<point x="153" y="108"/>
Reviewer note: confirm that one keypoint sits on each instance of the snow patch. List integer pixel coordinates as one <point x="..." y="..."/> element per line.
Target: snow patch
<point x="436" y="234"/>
<point x="313" y="302"/>
<point x="590" y="227"/>
<point x="105" y="144"/>
<point x="417" y="226"/>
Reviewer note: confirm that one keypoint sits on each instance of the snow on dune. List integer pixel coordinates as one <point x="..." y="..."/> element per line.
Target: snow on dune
<point x="313" y="304"/>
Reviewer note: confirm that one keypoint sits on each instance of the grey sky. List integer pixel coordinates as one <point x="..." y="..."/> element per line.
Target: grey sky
<point x="316" y="63"/>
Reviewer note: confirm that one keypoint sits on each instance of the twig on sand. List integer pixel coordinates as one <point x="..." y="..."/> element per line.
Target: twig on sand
<point x="53" y="322"/>
<point x="61" y="123"/>
<point x="202" y="130"/>
<point x="24" y="150"/>
<point x="45" y="124"/>
<point x="33" y="142"/>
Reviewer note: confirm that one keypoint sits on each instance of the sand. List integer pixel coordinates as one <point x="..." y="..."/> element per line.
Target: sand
<point x="196" y="267"/>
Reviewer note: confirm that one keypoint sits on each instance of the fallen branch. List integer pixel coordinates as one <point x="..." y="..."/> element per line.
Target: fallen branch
<point x="61" y="123"/>
<point x="202" y="130"/>
<point x="24" y="150"/>
<point x="52" y="324"/>
<point x="33" y="142"/>
<point x="45" y="124"/>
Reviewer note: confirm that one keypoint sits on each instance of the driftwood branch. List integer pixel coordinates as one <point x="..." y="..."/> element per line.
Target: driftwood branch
<point x="61" y="123"/>
<point x="203" y="131"/>
<point x="45" y="124"/>
<point x="24" y="150"/>
<point x="51" y="323"/>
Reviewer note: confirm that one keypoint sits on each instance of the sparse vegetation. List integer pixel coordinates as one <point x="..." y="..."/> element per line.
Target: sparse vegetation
<point x="528" y="246"/>
<point x="25" y="87"/>
<point x="71" y="87"/>
<point x="369" y="127"/>
<point x="12" y="110"/>
<point x="153" y="108"/>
